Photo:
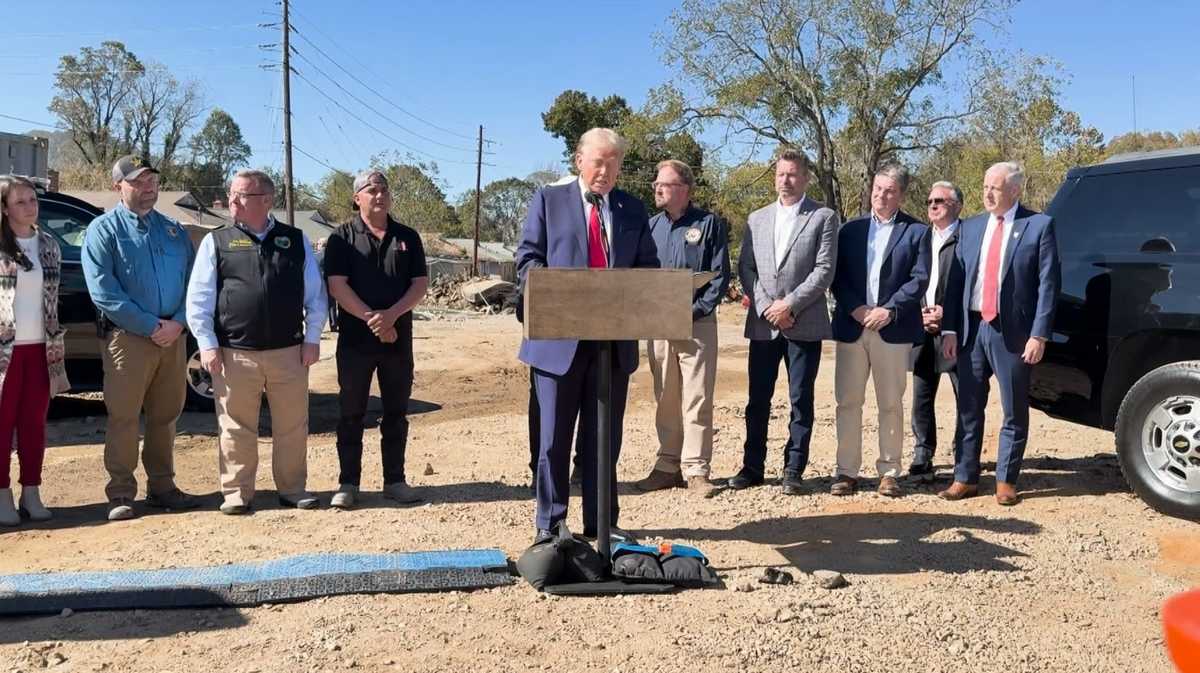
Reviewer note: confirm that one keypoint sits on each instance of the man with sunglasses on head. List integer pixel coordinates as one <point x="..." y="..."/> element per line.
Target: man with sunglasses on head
<point x="136" y="263"/>
<point x="926" y="360"/>
<point x="257" y="306"/>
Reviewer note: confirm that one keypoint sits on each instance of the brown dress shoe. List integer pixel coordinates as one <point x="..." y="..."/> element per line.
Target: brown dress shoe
<point x="700" y="487"/>
<point x="844" y="486"/>
<point x="890" y="487"/>
<point x="958" y="491"/>
<point x="659" y="480"/>
<point x="1006" y="494"/>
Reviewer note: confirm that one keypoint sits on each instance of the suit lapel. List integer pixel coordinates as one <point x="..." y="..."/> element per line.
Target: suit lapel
<point x="617" y="208"/>
<point x="897" y="231"/>
<point x="767" y="230"/>
<point x="802" y="220"/>
<point x="1018" y="230"/>
<point x="577" y="222"/>
<point x="973" y="243"/>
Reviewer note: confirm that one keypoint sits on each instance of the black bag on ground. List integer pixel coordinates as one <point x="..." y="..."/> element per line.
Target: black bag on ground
<point x="541" y="564"/>
<point x="680" y="565"/>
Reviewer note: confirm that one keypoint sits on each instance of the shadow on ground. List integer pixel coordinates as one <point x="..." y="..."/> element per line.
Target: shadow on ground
<point x="116" y="625"/>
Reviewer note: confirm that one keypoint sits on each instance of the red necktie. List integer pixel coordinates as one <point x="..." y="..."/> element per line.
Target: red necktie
<point x="596" y="257"/>
<point x="991" y="273"/>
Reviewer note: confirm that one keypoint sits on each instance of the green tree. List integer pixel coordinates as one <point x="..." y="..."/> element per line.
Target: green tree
<point x="574" y="112"/>
<point x="219" y="143"/>
<point x="418" y="195"/>
<point x="91" y="92"/>
<point x="1148" y="141"/>
<point x="501" y="212"/>
<point x="800" y="72"/>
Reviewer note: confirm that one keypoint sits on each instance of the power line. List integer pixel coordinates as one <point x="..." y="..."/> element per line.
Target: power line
<point x="319" y="161"/>
<point x="156" y="31"/>
<point x="53" y="125"/>
<point x="368" y="70"/>
<point x="376" y="129"/>
<point x="372" y="109"/>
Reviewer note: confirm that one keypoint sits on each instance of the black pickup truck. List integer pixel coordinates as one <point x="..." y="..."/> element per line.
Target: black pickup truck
<point x="1125" y="351"/>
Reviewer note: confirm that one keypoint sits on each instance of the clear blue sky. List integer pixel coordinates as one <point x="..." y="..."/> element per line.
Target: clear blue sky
<point x="459" y="64"/>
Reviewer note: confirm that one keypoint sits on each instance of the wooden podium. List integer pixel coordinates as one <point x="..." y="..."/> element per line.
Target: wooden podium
<point x="607" y="305"/>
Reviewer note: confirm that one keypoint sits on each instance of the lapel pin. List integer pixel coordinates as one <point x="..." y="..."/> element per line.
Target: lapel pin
<point x="692" y="236"/>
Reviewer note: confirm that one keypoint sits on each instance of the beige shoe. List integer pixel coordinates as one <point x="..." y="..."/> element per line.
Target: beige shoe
<point x="31" y="504"/>
<point x="344" y="498"/>
<point x="401" y="493"/>
<point x="700" y="487"/>
<point x="659" y="480"/>
<point x="888" y="486"/>
<point x="8" y="513"/>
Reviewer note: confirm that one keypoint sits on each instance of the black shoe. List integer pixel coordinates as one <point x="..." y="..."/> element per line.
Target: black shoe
<point x="173" y="499"/>
<point x="743" y="480"/>
<point x="921" y="472"/>
<point x="792" y="484"/>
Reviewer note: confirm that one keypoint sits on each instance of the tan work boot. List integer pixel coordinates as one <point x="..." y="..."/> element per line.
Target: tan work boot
<point x="700" y="487"/>
<point x="659" y="480"/>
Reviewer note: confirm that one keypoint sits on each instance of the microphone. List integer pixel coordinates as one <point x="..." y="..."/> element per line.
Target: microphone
<point x="597" y="202"/>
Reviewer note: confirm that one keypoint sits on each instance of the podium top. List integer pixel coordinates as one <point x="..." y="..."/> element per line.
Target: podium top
<point x="610" y="304"/>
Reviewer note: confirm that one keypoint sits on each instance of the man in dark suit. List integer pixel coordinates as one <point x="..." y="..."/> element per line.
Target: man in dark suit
<point x="583" y="224"/>
<point x="943" y="206"/>
<point x="1000" y="305"/>
<point x="882" y="272"/>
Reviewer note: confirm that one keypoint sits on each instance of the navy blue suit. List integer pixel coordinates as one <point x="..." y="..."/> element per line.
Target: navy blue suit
<point x="902" y="279"/>
<point x="565" y="370"/>
<point x="1029" y="283"/>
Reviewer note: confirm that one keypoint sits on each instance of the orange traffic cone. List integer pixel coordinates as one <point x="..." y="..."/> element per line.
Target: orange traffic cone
<point x="1181" y="620"/>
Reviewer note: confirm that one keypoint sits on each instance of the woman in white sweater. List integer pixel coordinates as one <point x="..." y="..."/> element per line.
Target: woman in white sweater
<point x="31" y="345"/>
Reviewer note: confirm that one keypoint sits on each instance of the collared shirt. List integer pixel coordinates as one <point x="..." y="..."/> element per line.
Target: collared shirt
<point x="786" y="218"/>
<point x="708" y="252"/>
<point x="137" y="268"/>
<point x="202" y="293"/>
<point x="605" y="213"/>
<point x="878" y="234"/>
<point x="937" y="239"/>
<point x="1006" y="235"/>
<point x="380" y="272"/>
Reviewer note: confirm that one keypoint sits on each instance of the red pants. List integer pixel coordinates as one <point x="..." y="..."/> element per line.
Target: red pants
<point x="23" y="406"/>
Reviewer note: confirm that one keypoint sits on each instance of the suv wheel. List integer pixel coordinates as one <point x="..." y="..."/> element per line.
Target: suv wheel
<point x="199" y="381"/>
<point x="1158" y="439"/>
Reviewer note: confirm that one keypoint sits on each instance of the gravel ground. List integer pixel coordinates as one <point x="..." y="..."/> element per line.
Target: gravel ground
<point x="1070" y="580"/>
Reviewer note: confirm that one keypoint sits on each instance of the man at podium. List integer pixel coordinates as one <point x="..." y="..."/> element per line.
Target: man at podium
<point x="583" y="224"/>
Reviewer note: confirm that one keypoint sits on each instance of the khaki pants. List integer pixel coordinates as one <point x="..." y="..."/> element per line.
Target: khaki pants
<point x="887" y="365"/>
<point x="685" y="376"/>
<point x="238" y="389"/>
<point x="139" y="375"/>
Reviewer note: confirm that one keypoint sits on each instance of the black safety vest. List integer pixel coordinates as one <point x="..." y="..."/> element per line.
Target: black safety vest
<point x="260" y="288"/>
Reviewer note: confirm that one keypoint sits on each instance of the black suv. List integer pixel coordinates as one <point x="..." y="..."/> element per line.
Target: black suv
<point x="1125" y="352"/>
<point x="66" y="218"/>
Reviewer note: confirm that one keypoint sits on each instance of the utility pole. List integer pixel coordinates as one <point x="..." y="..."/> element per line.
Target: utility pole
<point x="287" y="120"/>
<point x="478" y="200"/>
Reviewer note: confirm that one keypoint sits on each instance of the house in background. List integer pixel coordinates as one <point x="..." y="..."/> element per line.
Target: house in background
<point x="183" y="207"/>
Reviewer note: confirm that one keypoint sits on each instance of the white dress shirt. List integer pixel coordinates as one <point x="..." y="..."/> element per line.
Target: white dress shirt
<point x="977" y="291"/>
<point x="938" y="239"/>
<point x="786" y="219"/>
<point x="878" y="234"/>
<point x="605" y="216"/>
<point x="202" y="293"/>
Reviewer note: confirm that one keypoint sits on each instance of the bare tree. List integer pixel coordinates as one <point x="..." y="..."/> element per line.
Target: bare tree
<point x="855" y="82"/>
<point x="92" y="89"/>
<point x="160" y="109"/>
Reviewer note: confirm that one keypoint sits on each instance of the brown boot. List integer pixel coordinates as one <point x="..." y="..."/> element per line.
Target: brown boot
<point x="890" y="487"/>
<point x="1006" y="494"/>
<point x="700" y="487"/>
<point x="958" y="491"/>
<point x="844" y="486"/>
<point x="659" y="480"/>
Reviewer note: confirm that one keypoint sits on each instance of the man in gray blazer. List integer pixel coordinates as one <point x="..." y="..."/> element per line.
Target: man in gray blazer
<point x="786" y="266"/>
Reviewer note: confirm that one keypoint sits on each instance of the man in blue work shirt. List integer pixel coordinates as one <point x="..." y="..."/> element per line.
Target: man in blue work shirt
<point x="685" y="370"/>
<point x="136" y="262"/>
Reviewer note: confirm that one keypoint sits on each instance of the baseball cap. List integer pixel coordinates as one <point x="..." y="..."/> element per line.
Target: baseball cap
<point x="130" y="166"/>
<point x="367" y="177"/>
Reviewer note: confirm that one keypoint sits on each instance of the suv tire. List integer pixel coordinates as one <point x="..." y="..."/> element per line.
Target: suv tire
<point x="198" y="381"/>
<point x="1158" y="439"/>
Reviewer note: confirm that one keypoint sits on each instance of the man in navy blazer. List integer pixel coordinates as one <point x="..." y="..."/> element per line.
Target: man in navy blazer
<point x="585" y="223"/>
<point x="882" y="272"/>
<point x="1000" y="303"/>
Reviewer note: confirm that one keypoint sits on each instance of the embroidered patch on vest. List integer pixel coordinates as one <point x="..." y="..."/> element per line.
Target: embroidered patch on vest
<point x="692" y="236"/>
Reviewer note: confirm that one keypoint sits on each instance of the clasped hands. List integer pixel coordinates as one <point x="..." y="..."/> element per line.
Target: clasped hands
<point x="383" y="324"/>
<point x="779" y="314"/>
<point x="873" y="318"/>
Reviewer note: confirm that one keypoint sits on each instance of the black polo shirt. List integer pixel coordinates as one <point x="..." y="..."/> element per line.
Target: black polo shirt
<point x="380" y="271"/>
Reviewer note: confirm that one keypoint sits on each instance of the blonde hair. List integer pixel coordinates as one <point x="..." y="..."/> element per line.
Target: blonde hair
<point x="681" y="169"/>
<point x="601" y="137"/>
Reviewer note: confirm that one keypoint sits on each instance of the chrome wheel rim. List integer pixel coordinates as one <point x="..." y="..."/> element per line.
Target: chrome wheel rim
<point x="1171" y="442"/>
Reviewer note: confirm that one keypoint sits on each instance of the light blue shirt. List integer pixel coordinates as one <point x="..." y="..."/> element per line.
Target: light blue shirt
<point x="202" y="293"/>
<point x="878" y="234"/>
<point x="136" y="269"/>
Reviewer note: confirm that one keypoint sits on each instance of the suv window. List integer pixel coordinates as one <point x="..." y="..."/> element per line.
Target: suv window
<point x="67" y="222"/>
<point x="1119" y="213"/>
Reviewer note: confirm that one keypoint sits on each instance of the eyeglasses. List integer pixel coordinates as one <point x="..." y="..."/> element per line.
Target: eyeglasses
<point x="672" y="185"/>
<point x="242" y="196"/>
<point x="939" y="202"/>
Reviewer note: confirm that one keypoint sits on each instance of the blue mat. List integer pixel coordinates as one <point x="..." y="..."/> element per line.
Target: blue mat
<point x="288" y="579"/>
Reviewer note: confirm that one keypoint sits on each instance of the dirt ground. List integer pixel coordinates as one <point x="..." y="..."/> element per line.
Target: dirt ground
<point x="1070" y="580"/>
